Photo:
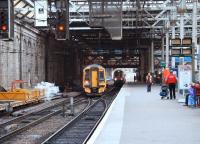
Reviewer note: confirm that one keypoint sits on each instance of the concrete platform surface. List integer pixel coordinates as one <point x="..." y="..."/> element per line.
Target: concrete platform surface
<point x="138" y="117"/>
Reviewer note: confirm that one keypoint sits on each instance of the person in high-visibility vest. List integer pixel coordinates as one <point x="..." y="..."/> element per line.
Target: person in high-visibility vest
<point x="166" y="72"/>
<point x="171" y="81"/>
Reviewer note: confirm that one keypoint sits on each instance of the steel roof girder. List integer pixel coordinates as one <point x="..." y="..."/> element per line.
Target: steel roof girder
<point x="85" y="8"/>
<point x="29" y="2"/>
<point x="24" y="9"/>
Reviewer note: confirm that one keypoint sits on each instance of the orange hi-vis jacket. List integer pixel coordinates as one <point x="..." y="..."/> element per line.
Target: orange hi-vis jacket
<point x="171" y="79"/>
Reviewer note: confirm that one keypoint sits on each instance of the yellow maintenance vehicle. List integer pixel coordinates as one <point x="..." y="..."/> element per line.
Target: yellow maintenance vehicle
<point x="20" y="96"/>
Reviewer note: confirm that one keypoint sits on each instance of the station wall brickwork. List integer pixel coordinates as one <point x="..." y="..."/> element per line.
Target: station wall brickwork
<point x="24" y="58"/>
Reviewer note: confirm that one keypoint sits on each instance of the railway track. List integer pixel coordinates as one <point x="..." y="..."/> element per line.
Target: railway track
<point x="22" y="123"/>
<point x="78" y="130"/>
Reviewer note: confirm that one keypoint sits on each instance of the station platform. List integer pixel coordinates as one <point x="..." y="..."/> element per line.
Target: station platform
<point x="138" y="117"/>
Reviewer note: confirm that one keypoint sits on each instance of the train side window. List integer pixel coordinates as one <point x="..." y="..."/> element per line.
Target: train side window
<point x="101" y="75"/>
<point x="87" y="74"/>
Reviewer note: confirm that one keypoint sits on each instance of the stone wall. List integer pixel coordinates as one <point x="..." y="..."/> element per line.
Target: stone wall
<point x="23" y="58"/>
<point x="35" y="56"/>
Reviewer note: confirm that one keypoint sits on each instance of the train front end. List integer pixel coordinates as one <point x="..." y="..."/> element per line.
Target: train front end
<point x="94" y="80"/>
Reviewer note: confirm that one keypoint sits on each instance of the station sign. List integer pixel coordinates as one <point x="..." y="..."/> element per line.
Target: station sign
<point x="187" y="41"/>
<point x="162" y="63"/>
<point x="183" y="42"/>
<point x="41" y="14"/>
<point x="176" y="51"/>
<point x="187" y="51"/>
<point x="181" y="51"/>
<point x="175" y="42"/>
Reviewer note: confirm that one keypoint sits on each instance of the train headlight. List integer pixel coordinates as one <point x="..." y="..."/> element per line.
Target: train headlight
<point x="115" y="79"/>
<point x="86" y="83"/>
<point x="102" y="84"/>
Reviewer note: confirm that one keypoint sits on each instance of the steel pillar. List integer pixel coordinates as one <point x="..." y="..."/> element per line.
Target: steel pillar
<point x="67" y="19"/>
<point x="182" y="27"/>
<point x="152" y="56"/>
<point x="167" y="49"/>
<point x="173" y="58"/>
<point x="20" y="55"/>
<point x="163" y="47"/>
<point x="182" y="10"/>
<point x="173" y="32"/>
<point x="149" y="60"/>
<point x="173" y="21"/>
<point x="194" y="31"/>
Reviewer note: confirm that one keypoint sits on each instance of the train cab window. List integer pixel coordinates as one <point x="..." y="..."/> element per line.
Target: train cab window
<point x="87" y="74"/>
<point x="101" y="76"/>
<point x="118" y="74"/>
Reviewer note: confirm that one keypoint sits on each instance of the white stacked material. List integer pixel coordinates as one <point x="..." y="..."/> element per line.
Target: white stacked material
<point x="50" y="89"/>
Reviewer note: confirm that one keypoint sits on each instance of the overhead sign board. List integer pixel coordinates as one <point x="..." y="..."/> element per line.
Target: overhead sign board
<point x="175" y="42"/>
<point x="187" y="51"/>
<point x="41" y="14"/>
<point x="162" y="63"/>
<point x="187" y="41"/>
<point x="181" y="51"/>
<point x="175" y="51"/>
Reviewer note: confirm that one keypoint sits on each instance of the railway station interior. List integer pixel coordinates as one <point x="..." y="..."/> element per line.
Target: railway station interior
<point x="98" y="71"/>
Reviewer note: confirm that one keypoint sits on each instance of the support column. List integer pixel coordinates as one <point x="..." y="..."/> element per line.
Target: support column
<point x="67" y="19"/>
<point x="152" y="56"/>
<point x="46" y="57"/>
<point x="181" y="60"/>
<point x="20" y="54"/>
<point x="142" y="65"/>
<point x="173" y="23"/>
<point x="163" y="47"/>
<point x="182" y="10"/>
<point x="173" y="32"/>
<point x="167" y="49"/>
<point x="173" y="20"/>
<point x="173" y="58"/>
<point x="194" y="32"/>
<point x="182" y="27"/>
<point x="149" y="59"/>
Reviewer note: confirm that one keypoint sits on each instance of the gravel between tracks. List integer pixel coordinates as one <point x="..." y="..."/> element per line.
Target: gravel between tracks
<point x="35" y="108"/>
<point x="41" y="131"/>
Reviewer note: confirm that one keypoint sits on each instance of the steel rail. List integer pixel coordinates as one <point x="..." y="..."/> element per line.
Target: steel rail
<point x="88" y="119"/>
<point x="32" y="120"/>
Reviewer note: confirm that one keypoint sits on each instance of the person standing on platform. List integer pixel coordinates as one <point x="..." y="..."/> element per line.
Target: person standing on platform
<point x="165" y="73"/>
<point x="171" y="81"/>
<point x="149" y="82"/>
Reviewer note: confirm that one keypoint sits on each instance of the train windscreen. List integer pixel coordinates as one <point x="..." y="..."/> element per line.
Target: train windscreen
<point x="118" y="74"/>
<point x="101" y="76"/>
<point x="87" y="74"/>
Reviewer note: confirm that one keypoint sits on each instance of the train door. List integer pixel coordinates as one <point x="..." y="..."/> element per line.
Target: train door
<point x="94" y="78"/>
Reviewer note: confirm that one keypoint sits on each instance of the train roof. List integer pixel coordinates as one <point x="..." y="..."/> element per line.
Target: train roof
<point x="118" y="70"/>
<point x="93" y="65"/>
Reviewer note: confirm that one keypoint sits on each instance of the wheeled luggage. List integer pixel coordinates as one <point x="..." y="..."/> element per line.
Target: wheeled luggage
<point x="164" y="91"/>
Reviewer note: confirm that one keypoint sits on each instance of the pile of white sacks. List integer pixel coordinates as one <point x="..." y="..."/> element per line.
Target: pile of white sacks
<point x="50" y="89"/>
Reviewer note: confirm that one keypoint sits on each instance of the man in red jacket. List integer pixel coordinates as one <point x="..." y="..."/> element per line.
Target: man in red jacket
<point x="171" y="81"/>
